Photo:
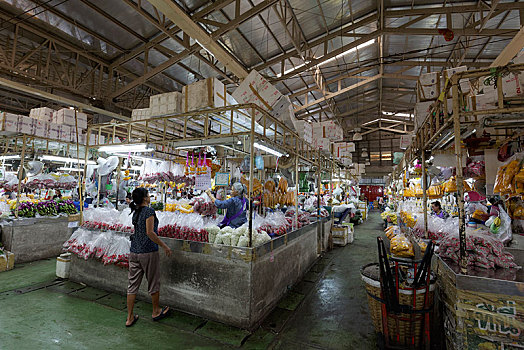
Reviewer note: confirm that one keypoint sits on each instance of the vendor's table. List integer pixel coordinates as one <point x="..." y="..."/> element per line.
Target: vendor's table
<point x="33" y="239"/>
<point x="483" y="309"/>
<point x="232" y="285"/>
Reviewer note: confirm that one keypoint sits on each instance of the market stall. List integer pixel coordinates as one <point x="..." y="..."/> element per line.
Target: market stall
<point x="36" y="222"/>
<point x="235" y="276"/>
<point x="467" y="201"/>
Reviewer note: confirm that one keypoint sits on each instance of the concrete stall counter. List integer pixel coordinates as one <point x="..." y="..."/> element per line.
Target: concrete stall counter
<point x="233" y="285"/>
<point x="32" y="239"/>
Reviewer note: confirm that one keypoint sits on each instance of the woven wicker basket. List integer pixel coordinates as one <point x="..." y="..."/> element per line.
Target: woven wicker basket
<point x="400" y="331"/>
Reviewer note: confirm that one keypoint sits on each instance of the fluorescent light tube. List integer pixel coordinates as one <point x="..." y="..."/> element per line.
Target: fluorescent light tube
<point x="9" y="157"/>
<point x="126" y="148"/>
<point x="267" y="149"/>
<point x="361" y="46"/>
<point x="70" y="169"/>
<point x="66" y="160"/>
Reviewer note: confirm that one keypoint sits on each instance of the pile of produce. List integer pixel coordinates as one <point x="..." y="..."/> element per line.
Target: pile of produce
<point x="42" y="181"/>
<point x="111" y="248"/>
<point x="303" y="217"/>
<point x="238" y="237"/>
<point x="32" y="208"/>
<point x="203" y="205"/>
<point x="274" y="223"/>
<point x="484" y="250"/>
<point x="389" y="216"/>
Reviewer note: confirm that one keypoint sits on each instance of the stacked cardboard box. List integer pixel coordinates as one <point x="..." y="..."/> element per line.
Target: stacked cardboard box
<point x="422" y="110"/>
<point x="428" y="87"/>
<point x="340" y="235"/>
<point x="207" y="93"/>
<point x="304" y="129"/>
<point x="256" y="89"/>
<point x="66" y="116"/>
<point x="328" y="129"/>
<point x="7" y="261"/>
<point x="465" y="86"/>
<point x="162" y="104"/>
<point x="44" y="114"/>
<point x="9" y="122"/>
<point x="284" y="112"/>
<point x="343" y="149"/>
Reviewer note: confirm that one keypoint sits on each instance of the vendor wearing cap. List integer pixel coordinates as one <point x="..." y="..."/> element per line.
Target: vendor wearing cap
<point x="236" y="206"/>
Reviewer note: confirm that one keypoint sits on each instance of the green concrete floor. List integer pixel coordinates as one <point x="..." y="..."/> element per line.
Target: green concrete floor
<point x="326" y="310"/>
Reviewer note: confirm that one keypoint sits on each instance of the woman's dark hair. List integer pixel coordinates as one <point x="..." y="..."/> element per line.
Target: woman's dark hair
<point x="130" y="196"/>
<point x="138" y="196"/>
<point x="437" y="204"/>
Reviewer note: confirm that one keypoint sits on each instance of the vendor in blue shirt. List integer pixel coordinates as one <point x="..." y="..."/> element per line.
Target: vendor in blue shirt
<point x="236" y="206"/>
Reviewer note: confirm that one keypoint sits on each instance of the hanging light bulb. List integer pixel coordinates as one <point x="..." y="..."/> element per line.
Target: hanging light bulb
<point x="364" y="153"/>
<point x="357" y="136"/>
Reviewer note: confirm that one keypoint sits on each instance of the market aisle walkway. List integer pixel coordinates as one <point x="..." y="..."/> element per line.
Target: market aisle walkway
<point x="327" y="310"/>
<point x="335" y="314"/>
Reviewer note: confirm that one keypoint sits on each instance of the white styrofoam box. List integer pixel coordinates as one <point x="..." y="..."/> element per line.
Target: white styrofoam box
<point x="429" y="79"/>
<point x="485" y="101"/>
<point x="519" y="60"/>
<point x="405" y="141"/>
<point x="94" y="139"/>
<point x="304" y="129"/>
<point x="328" y="129"/>
<point x="511" y="86"/>
<point x="162" y="108"/>
<point x="351" y="146"/>
<point x="207" y="93"/>
<point x="256" y="89"/>
<point x="322" y="143"/>
<point x="428" y="86"/>
<point x="65" y="133"/>
<point x="26" y="125"/>
<point x="155" y="110"/>
<point x="65" y="116"/>
<point x="154" y="100"/>
<point x="81" y="120"/>
<point x="41" y="128"/>
<point x="284" y="112"/>
<point x="464" y="82"/>
<point x="9" y="122"/>
<point x="347" y="161"/>
<point x="341" y="149"/>
<point x="422" y="110"/>
<point x="54" y="131"/>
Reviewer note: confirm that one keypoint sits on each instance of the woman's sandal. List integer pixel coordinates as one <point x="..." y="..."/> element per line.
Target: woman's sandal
<point x="135" y="318"/>
<point x="163" y="314"/>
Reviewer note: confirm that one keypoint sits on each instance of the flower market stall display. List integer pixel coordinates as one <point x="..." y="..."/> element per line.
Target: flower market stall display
<point x="42" y="182"/>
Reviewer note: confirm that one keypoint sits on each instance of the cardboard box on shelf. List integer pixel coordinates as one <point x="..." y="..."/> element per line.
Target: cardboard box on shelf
<point x="26" y="125"/>
<point x="41" y="128"/>
<point x="304" y="129"/>
<point x="81" y="120"/>
<point x="511" y="87"/>
<point x="464" y="82"/>
<point x="9" y="122"/>
<point x="65" y="133"/>
<point x="256" y="89"/>
<point x="341" y="149"/>
<point x="322" y="143"/>
<point x="65" y="116"/>
<point x="328" y="129"/>
<point x="422" y="110"/>
<point x="485" y="101"/>
<point x="54" y="131"/>
<point x="284" y="112"/>
<point x="428" y="87"/>
<point x="44" y="113"/>
<point x="207" y="93"/>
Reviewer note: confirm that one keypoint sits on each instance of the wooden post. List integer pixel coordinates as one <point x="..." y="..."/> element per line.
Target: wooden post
<point x="424" y="193"/>
<point x="460" y="177"/>
<point x="20" y="172"/>
<point x="251" y="174"/>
